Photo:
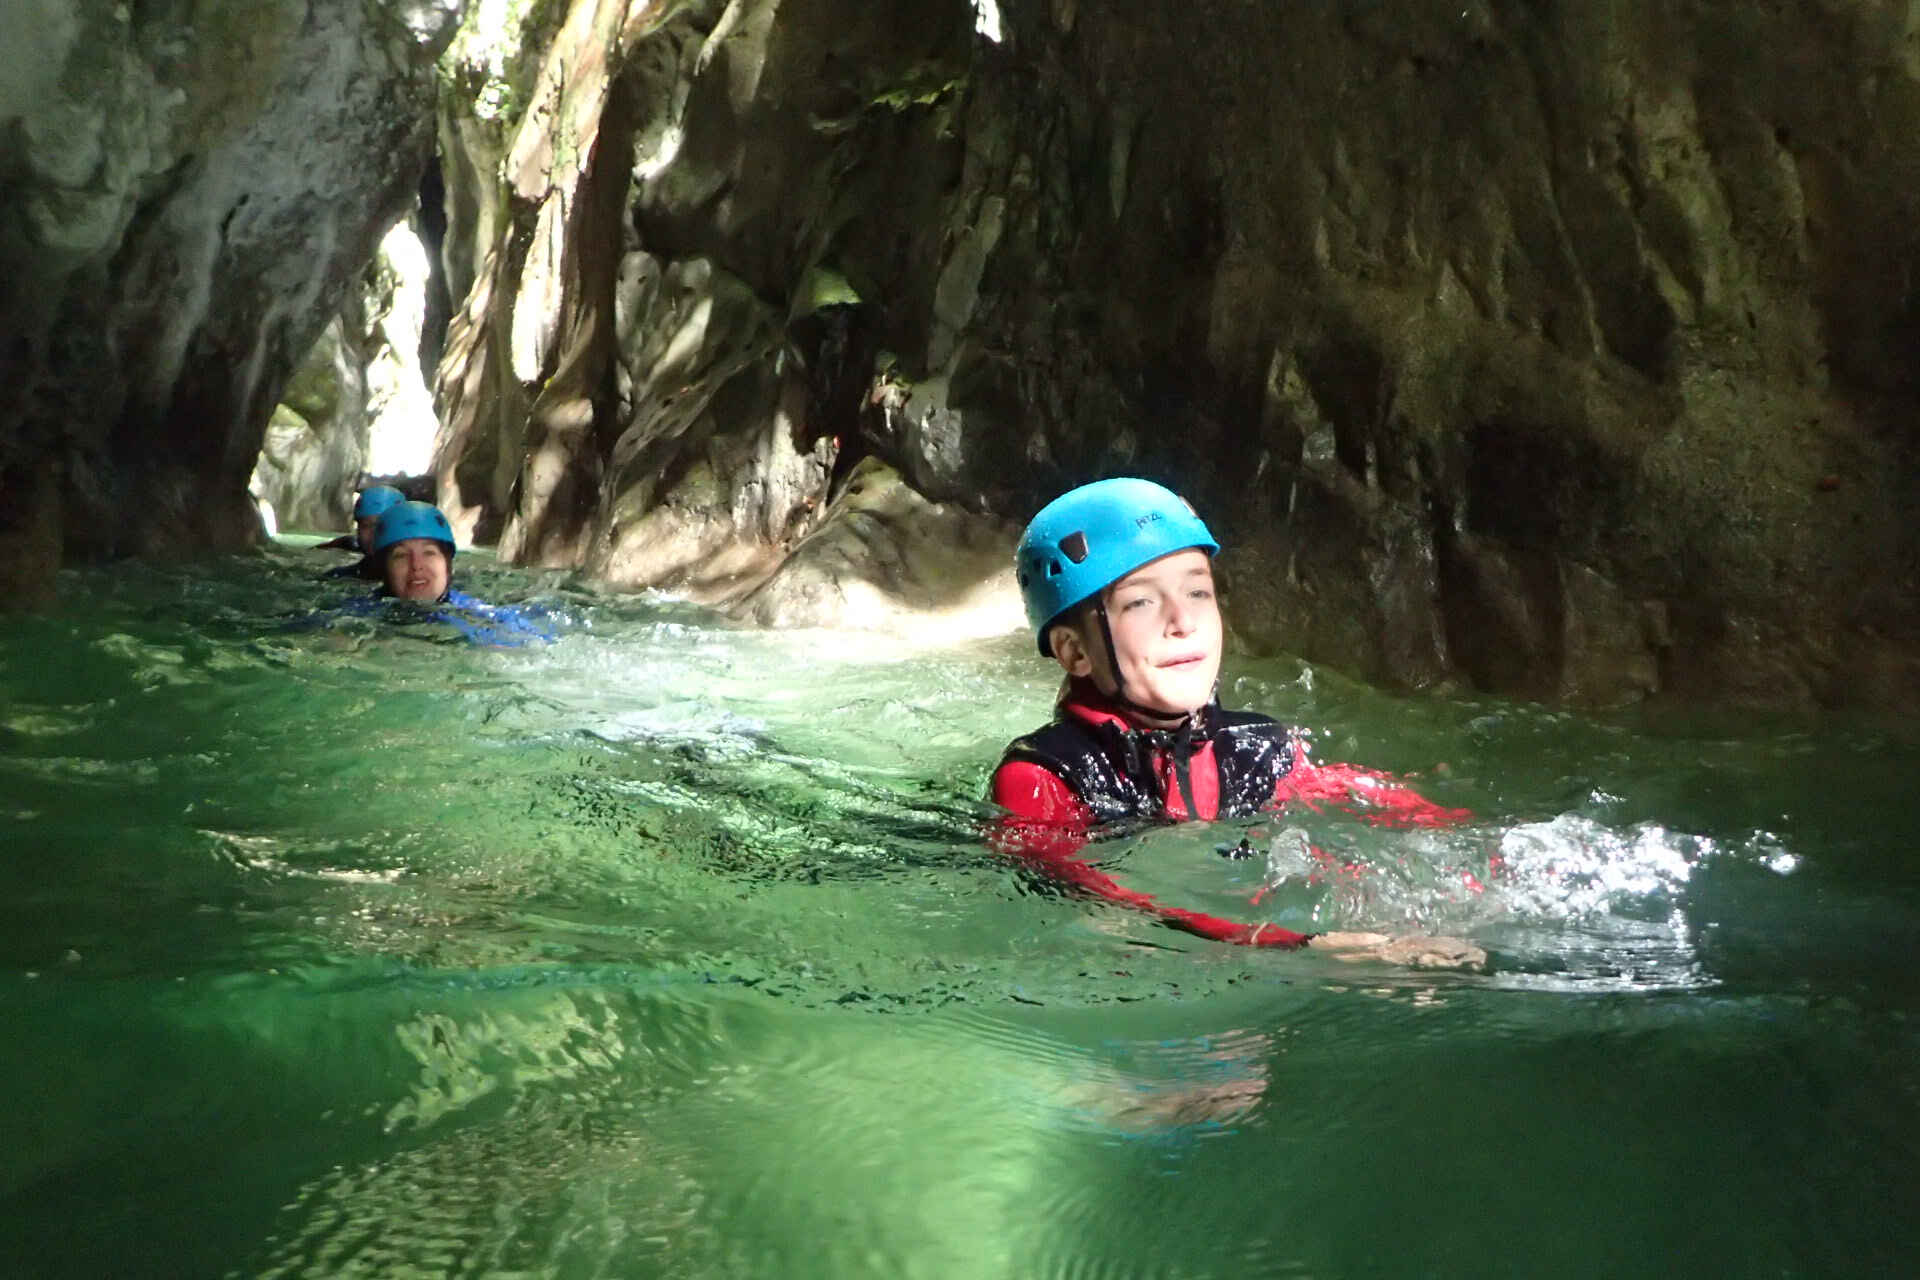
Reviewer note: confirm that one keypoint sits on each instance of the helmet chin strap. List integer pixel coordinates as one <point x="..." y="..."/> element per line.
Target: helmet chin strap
<point x="1120" y="681"/>
<point x="1182" y="728"/>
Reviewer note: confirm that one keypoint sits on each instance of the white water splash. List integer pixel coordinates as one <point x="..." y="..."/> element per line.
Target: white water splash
<point x="1574" y="867"/>
<point x="1570" y="903"/>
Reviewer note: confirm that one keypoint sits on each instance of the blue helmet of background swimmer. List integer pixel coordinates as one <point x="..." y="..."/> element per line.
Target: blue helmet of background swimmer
<point x="1090" y="537"/>
<point x="413" y="520"/>
<point x="376" y="500"/>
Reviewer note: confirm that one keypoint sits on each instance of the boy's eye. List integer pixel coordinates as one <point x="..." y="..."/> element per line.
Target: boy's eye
<point x="1132" y="603"/>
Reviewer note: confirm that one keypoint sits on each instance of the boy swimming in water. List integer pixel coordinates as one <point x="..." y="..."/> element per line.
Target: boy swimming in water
<point x="1117" y="578"/>
<point x="374" y="501"/>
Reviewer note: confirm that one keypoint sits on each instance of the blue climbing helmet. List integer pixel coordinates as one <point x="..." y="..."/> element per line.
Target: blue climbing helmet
<point x="412" y="520"/>
<point x="1095" y="535"/>
<point x="376" y="500"/>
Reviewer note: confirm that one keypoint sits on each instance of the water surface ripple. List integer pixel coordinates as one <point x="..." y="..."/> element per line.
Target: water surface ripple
<point x="672" y="950"/>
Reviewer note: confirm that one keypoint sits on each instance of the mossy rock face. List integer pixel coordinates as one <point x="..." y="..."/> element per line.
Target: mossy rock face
<point x="285" y="423"/>
<point x="490" y="65"/>
<point x="313" y="392"/>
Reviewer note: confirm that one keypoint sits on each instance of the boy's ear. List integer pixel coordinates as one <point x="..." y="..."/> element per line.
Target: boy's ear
<point x="1069" y="650"/>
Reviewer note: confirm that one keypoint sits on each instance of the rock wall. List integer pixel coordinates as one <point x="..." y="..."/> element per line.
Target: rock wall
<point x="1557" y="350"/>
<point x="357" y="408"/>
<point x="654" y="377"/>
<point x="186" y="189"/>
<point x="1561" y="351"/>
<point x="315" y="447"/>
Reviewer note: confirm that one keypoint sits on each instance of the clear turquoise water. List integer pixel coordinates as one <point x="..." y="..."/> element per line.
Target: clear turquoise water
<point x="672" y="950"/>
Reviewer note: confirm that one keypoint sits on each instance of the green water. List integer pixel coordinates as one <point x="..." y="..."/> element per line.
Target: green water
<point x="671" y="950"/>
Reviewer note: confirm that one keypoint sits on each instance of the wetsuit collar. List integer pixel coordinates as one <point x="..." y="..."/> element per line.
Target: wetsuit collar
<point x="1085" y="701"/>
<point x="1178" y="738"/>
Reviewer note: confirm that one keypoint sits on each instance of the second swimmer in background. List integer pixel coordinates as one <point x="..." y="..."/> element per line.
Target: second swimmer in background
<point x="1117" y="577"/>
<point x="374" y="501"/>
<point x="412" y="551"/>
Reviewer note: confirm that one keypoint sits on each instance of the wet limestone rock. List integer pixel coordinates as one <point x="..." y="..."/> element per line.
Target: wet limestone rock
<point x="315" y="446"/>
<point x="1562" y="352"/>
<point x="885" y="558"/>
<point x="1557" y="352"/>
<point x="190" y="188"/>
<point x="358" y="404"/>
<point x="645" y="383"/>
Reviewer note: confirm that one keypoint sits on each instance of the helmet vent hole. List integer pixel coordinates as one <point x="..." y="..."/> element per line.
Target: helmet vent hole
<point x="1074" y="547"/>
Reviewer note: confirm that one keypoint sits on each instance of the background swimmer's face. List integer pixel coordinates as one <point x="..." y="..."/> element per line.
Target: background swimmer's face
<point x="363" y="533"/>
<point x="417" y="569"/>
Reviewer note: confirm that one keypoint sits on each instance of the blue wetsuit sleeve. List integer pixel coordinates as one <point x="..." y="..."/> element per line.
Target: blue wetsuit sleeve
<point x="498" y="626"/>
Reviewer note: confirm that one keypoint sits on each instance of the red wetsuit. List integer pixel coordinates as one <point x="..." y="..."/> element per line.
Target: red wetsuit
<point x="1217" y="764"/>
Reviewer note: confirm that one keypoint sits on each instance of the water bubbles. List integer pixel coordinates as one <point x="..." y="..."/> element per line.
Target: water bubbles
<point x="1573" y="866"/>
<point x="1569" y="902"/>
<point x="154" y="665"/>
<point x="1290" y="854"/>
<point x="1770" y="852"/>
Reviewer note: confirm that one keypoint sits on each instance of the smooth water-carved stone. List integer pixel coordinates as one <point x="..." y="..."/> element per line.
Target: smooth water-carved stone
<point x="885" y="558"/>
<point x="315" y="447"/>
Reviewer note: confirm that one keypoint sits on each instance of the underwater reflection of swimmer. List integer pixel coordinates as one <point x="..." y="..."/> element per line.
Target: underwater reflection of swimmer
<point x="1118" y="584"/>
<point x="413" y="552"/>
<point x="1147" y="1106"/>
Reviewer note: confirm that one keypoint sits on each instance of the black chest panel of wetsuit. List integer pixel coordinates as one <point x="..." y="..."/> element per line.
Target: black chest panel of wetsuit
<point x="1110" y="767"/>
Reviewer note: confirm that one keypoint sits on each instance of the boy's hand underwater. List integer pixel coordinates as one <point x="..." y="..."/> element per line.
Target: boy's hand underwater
<point x="1414" y="951"/>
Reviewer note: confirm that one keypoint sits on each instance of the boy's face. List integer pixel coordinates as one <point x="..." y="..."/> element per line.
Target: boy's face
<point x="417" y="569"/>
<point x="1166" y="636"/>
<point x="363" y="528"/>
